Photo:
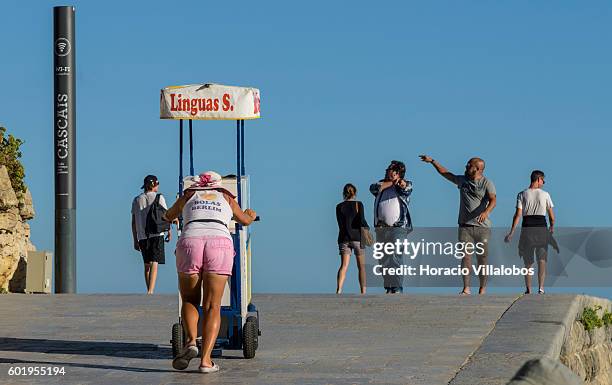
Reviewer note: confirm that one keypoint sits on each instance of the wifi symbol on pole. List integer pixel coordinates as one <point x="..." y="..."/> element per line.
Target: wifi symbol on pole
<point x="62" y="47"/>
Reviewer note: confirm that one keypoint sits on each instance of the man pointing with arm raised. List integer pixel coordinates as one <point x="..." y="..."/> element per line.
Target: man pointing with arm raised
<point x="477" y="198"/>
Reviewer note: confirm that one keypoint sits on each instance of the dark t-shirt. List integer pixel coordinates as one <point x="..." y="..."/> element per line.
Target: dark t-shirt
<point x="350" y="220"/>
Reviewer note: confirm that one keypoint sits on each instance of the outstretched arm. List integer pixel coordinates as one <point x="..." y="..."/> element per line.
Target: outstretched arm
<point x="439" y="168"/>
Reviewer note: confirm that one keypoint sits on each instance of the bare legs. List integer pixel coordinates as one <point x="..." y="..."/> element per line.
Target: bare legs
<point x="482" y="277"/>
<point x="362" y="271"/>
<point x="344" y="262"/>
<point x="211" y="309"/>
<point x="466" y="262"/>
<point x="150" y="273"/>
<point x="541" y="275"/>
<point x="190" y="286"/>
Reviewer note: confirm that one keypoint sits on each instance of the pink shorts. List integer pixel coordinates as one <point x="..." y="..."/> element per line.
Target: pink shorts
<point x="211" y="254"/>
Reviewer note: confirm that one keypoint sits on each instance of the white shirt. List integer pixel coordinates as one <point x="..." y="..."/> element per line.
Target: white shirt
<point x="140" y="208"/>
<point x="389" y="207"/>
<point x="533" y="201"/>
<point x="208" y="204"/>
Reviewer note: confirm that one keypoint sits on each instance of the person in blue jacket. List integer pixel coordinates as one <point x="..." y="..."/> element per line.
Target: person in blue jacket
<point x="392" y="218"/>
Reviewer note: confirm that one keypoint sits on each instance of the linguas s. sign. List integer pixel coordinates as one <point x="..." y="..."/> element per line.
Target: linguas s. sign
<point x="209" y="101"/>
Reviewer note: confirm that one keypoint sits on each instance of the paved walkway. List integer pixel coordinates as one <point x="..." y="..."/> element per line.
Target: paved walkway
<point x="307" y="339"/>
<point x="532" y="328"/>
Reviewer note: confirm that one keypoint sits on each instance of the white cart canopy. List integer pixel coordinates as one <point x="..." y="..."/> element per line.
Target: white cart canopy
<point x="209" y="101"/>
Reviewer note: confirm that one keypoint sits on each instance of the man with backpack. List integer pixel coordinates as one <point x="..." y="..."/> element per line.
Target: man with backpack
<point x="148" y="229"/>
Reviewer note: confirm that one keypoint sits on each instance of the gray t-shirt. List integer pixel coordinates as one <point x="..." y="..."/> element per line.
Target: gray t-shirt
<point x="140" y="208"/>
<point x="473" y="199"/>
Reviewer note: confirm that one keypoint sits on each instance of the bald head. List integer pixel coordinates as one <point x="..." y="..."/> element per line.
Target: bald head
<point x="479" y="163"/>
<point x="474" y="168"/>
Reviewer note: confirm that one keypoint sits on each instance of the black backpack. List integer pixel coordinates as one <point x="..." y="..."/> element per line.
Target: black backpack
<point x="154" y="224"/>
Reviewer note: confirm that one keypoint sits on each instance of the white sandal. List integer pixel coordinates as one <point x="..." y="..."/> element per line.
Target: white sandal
<point x="181" y="362"/>
<point x="213" y="369"/>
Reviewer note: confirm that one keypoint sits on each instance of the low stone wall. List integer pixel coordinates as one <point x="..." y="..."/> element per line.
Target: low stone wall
<point x="589" y="353"/>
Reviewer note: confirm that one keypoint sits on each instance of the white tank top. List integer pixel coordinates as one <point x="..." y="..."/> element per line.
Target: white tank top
<point x="208" y="204"/>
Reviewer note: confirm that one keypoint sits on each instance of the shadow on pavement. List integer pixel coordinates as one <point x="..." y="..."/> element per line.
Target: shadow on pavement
<point x="97" y="348"/>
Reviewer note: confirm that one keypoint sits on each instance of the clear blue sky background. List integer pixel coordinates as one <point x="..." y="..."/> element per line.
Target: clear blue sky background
<point x="346" y="86"/>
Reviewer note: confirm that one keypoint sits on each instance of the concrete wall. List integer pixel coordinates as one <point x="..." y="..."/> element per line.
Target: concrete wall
<point x="537" y="326"/>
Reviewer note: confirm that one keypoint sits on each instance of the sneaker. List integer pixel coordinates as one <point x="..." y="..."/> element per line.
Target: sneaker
<point x="181" y="362"/>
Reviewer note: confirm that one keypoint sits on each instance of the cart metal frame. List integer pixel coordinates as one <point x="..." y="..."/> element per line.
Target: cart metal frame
<point x="242" y="332"/>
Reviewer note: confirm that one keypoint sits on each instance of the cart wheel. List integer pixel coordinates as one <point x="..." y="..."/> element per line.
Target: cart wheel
<point x="177" y="339"/>
<point x="256" y="321"/>
<point x="249" y="337"/>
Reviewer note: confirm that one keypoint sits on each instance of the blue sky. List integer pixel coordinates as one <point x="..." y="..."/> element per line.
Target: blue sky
<point x="345" y="87"/>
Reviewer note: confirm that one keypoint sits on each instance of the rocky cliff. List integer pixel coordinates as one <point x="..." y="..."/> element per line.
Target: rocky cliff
<point x="589" y="353"/>
<point x="16" y="209"/>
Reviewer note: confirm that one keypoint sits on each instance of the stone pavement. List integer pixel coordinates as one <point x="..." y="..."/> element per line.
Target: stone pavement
<point x="307" y="339"/>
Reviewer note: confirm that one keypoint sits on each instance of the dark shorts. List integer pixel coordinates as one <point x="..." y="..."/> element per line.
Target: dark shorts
<point x="152" y="250"/>
<point x="533" y="240"/>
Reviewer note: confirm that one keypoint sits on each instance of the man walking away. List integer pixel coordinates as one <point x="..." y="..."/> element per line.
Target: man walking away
<point x="151" y="246"/>
<point x="533" y="204"/>
<point x="477" y="198"/>
<point x="391" y="217"/>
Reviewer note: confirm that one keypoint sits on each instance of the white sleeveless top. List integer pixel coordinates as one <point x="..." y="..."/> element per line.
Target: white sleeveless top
<point x="208" y="204"/>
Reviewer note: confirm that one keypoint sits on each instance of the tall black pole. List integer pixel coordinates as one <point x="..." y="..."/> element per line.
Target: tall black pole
<point x="64" y="128"/>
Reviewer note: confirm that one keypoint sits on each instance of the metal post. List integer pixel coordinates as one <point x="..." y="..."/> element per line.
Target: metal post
<point x="235" y="300"/>
<point x="64" y="129"/>
<point x="238" y="163"/>
<point x="242" y="147"/>
<point x="180" y="157"/>
<point x="191" y="147"/>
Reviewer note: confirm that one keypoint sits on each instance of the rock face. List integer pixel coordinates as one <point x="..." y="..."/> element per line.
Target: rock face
<point x="589" y="353"/>
<point x="15" y="210"/>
